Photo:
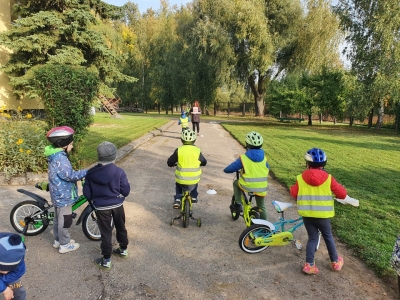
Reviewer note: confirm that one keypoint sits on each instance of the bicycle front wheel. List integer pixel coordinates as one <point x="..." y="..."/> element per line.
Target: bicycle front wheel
<point x="90" y="227"/>
<point x="246" y="239"/>
<point x="186" y="213"/>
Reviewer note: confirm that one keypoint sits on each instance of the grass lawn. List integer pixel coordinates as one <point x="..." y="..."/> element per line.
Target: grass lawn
<point x="118" y="131"/>
<point x="365" y="161"/>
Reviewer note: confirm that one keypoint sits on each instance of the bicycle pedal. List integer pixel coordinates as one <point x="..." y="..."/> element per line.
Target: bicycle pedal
<point x="74" y="215"/>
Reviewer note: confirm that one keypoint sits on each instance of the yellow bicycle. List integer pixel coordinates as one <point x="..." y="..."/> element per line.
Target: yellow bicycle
<point x="186" y="212"/>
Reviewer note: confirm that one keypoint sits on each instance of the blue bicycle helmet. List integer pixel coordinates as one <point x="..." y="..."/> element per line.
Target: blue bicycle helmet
<point x="315" y="157"/>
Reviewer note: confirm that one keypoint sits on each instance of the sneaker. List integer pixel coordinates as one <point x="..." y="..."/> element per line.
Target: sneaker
<point x="121" y="252"/>
<point x="337" y="266"/>
<point x="56" y="244"/>
<point x="103" y="263"/>
<point x="310" y="269"/>
<point x="236" y="207"/>
<point x="68" y="247"/>
<point x="194" y="200"/>
<point x="177" y="203"/>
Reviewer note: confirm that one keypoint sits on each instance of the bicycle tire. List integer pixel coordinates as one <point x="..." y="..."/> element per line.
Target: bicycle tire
<point x="234" y="214"/>
<point x="186" y="213"/>
<point x="249" y="234"/>
<point x="90" y="227"/>
<point x="25" y="209"/>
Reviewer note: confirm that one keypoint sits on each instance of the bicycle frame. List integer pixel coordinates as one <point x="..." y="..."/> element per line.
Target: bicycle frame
<point x="186" y="214"/>
<point x="279" y="236"/>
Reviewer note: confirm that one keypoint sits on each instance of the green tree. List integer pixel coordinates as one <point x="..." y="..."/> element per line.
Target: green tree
<point x="67" y="93"/>
<point x="374" y="52"/>
<point x="59" y="32"/>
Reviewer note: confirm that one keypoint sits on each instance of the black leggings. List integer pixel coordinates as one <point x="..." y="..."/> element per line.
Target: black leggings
<point x="196" y="124"/>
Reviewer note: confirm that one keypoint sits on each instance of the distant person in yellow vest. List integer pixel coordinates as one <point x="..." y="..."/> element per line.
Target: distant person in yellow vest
<point x="313" y="191"/>
<point x="254" y="169"/>
<point x="188" y="159"/>
<point x="195" y="112"/>
<point x="184" y="121"/>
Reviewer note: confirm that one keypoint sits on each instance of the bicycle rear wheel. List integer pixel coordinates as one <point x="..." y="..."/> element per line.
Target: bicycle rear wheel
<point x="246" y="239"/>
<point x="186" y="212"/>
<point x="21" y="215"/>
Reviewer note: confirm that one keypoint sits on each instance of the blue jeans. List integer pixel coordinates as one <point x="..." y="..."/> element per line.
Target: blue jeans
<point x="324" y="226"/>
<point x="180" y="187"/>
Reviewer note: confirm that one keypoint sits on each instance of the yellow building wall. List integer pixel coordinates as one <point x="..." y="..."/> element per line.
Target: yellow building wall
<point x="7" y="98"/>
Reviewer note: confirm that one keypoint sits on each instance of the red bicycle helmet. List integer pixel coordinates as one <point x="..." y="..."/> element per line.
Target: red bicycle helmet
<point x="60" y="136"/>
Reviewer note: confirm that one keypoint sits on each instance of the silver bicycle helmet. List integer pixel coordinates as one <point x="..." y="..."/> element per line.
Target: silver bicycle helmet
<point x="60" y="136"/>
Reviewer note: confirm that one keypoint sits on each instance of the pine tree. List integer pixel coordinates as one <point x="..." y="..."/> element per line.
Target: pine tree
<point x="59" y="32"/>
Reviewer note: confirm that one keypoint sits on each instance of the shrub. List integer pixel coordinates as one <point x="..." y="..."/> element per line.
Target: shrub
<point x="67" y="93"/>
<point x="22" y="142"/>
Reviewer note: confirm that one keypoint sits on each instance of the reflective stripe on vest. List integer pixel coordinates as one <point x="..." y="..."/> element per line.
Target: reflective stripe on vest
<point x="188" y="169"/>
<point x="184" y="122"/>
<point x="254" y="176"/>
<point x="315" y="201"/>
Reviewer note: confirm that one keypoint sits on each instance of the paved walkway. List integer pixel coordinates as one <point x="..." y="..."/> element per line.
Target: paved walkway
<point x="171" y="262"/>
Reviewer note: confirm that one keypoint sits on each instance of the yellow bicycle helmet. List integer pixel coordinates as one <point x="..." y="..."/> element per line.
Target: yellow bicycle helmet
<point x="188" y="137"/>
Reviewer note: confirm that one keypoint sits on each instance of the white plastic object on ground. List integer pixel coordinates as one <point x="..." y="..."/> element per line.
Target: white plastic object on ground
<point x="211" y="192"/>
<point x="349" y="200"/>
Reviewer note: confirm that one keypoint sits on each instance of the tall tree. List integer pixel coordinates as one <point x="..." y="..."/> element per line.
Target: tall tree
<point x="374" y="51"/>
<point x="59" y="32"/>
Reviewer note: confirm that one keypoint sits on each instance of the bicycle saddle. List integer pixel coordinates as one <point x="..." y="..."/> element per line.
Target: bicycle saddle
<point x="281" y="206"/>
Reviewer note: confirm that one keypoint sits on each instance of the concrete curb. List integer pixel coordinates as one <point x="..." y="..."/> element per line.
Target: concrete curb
<point x="31" y="178"/>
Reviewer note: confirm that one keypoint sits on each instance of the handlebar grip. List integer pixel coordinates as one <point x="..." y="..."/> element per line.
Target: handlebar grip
<point x="44" y="186"/>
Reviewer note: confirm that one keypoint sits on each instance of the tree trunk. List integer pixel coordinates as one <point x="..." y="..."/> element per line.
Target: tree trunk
<point x="244" y="109"/>
<point x="320" y="118"/>
<point x="258" y="93"/>
<point x="397" y="120"/>
<point x="309" y="119"/>
<point x="381" y="113"/>
<point x="371" y="115"/>
<point x="215" y="109"/>
<point x="229" y="108"/>
<point x="351" y="120"/>
<point x="159" y="108"/>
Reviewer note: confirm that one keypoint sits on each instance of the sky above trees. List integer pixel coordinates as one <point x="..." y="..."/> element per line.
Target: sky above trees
<point x="145" y="4"/>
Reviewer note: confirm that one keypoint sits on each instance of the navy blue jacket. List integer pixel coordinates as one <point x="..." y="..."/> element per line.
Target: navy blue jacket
<point x="106" y="185"/>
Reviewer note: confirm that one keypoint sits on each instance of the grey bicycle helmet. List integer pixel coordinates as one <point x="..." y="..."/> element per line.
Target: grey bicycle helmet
<point x="188" y="137"/>
<point x="315" y="157"/>
<point x="60" y="136"/>
<point x="254" y="140"/>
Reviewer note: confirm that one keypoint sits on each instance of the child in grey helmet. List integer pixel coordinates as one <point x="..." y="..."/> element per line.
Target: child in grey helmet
<point x="107" y="186"/>
<point x="12" y="266"/>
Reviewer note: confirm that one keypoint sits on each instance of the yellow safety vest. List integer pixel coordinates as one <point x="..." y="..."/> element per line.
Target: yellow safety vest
<point x="254" y="176"/>
<point x="184" y="122"/>
<point x="315" y="201"/>
<point x="188" y="169"/>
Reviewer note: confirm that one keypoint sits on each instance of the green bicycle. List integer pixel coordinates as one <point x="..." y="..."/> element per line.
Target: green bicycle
<point x="186" y="212"/>
<point x="248" y="212"/>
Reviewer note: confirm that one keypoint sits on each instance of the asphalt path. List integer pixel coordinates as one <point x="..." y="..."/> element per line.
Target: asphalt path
<point x="172" y="262"/>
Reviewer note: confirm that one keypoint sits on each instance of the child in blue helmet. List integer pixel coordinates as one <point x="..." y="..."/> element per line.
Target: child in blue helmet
<point x="184" y="121"/>
<point x="313" y="190"/>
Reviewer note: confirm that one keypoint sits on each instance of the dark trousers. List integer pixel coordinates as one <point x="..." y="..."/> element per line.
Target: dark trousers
<point x="324" y="226"/>
<point x="180" y="187"/>
<point x="104" y="219"/>
<point x="196" y="125"/>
